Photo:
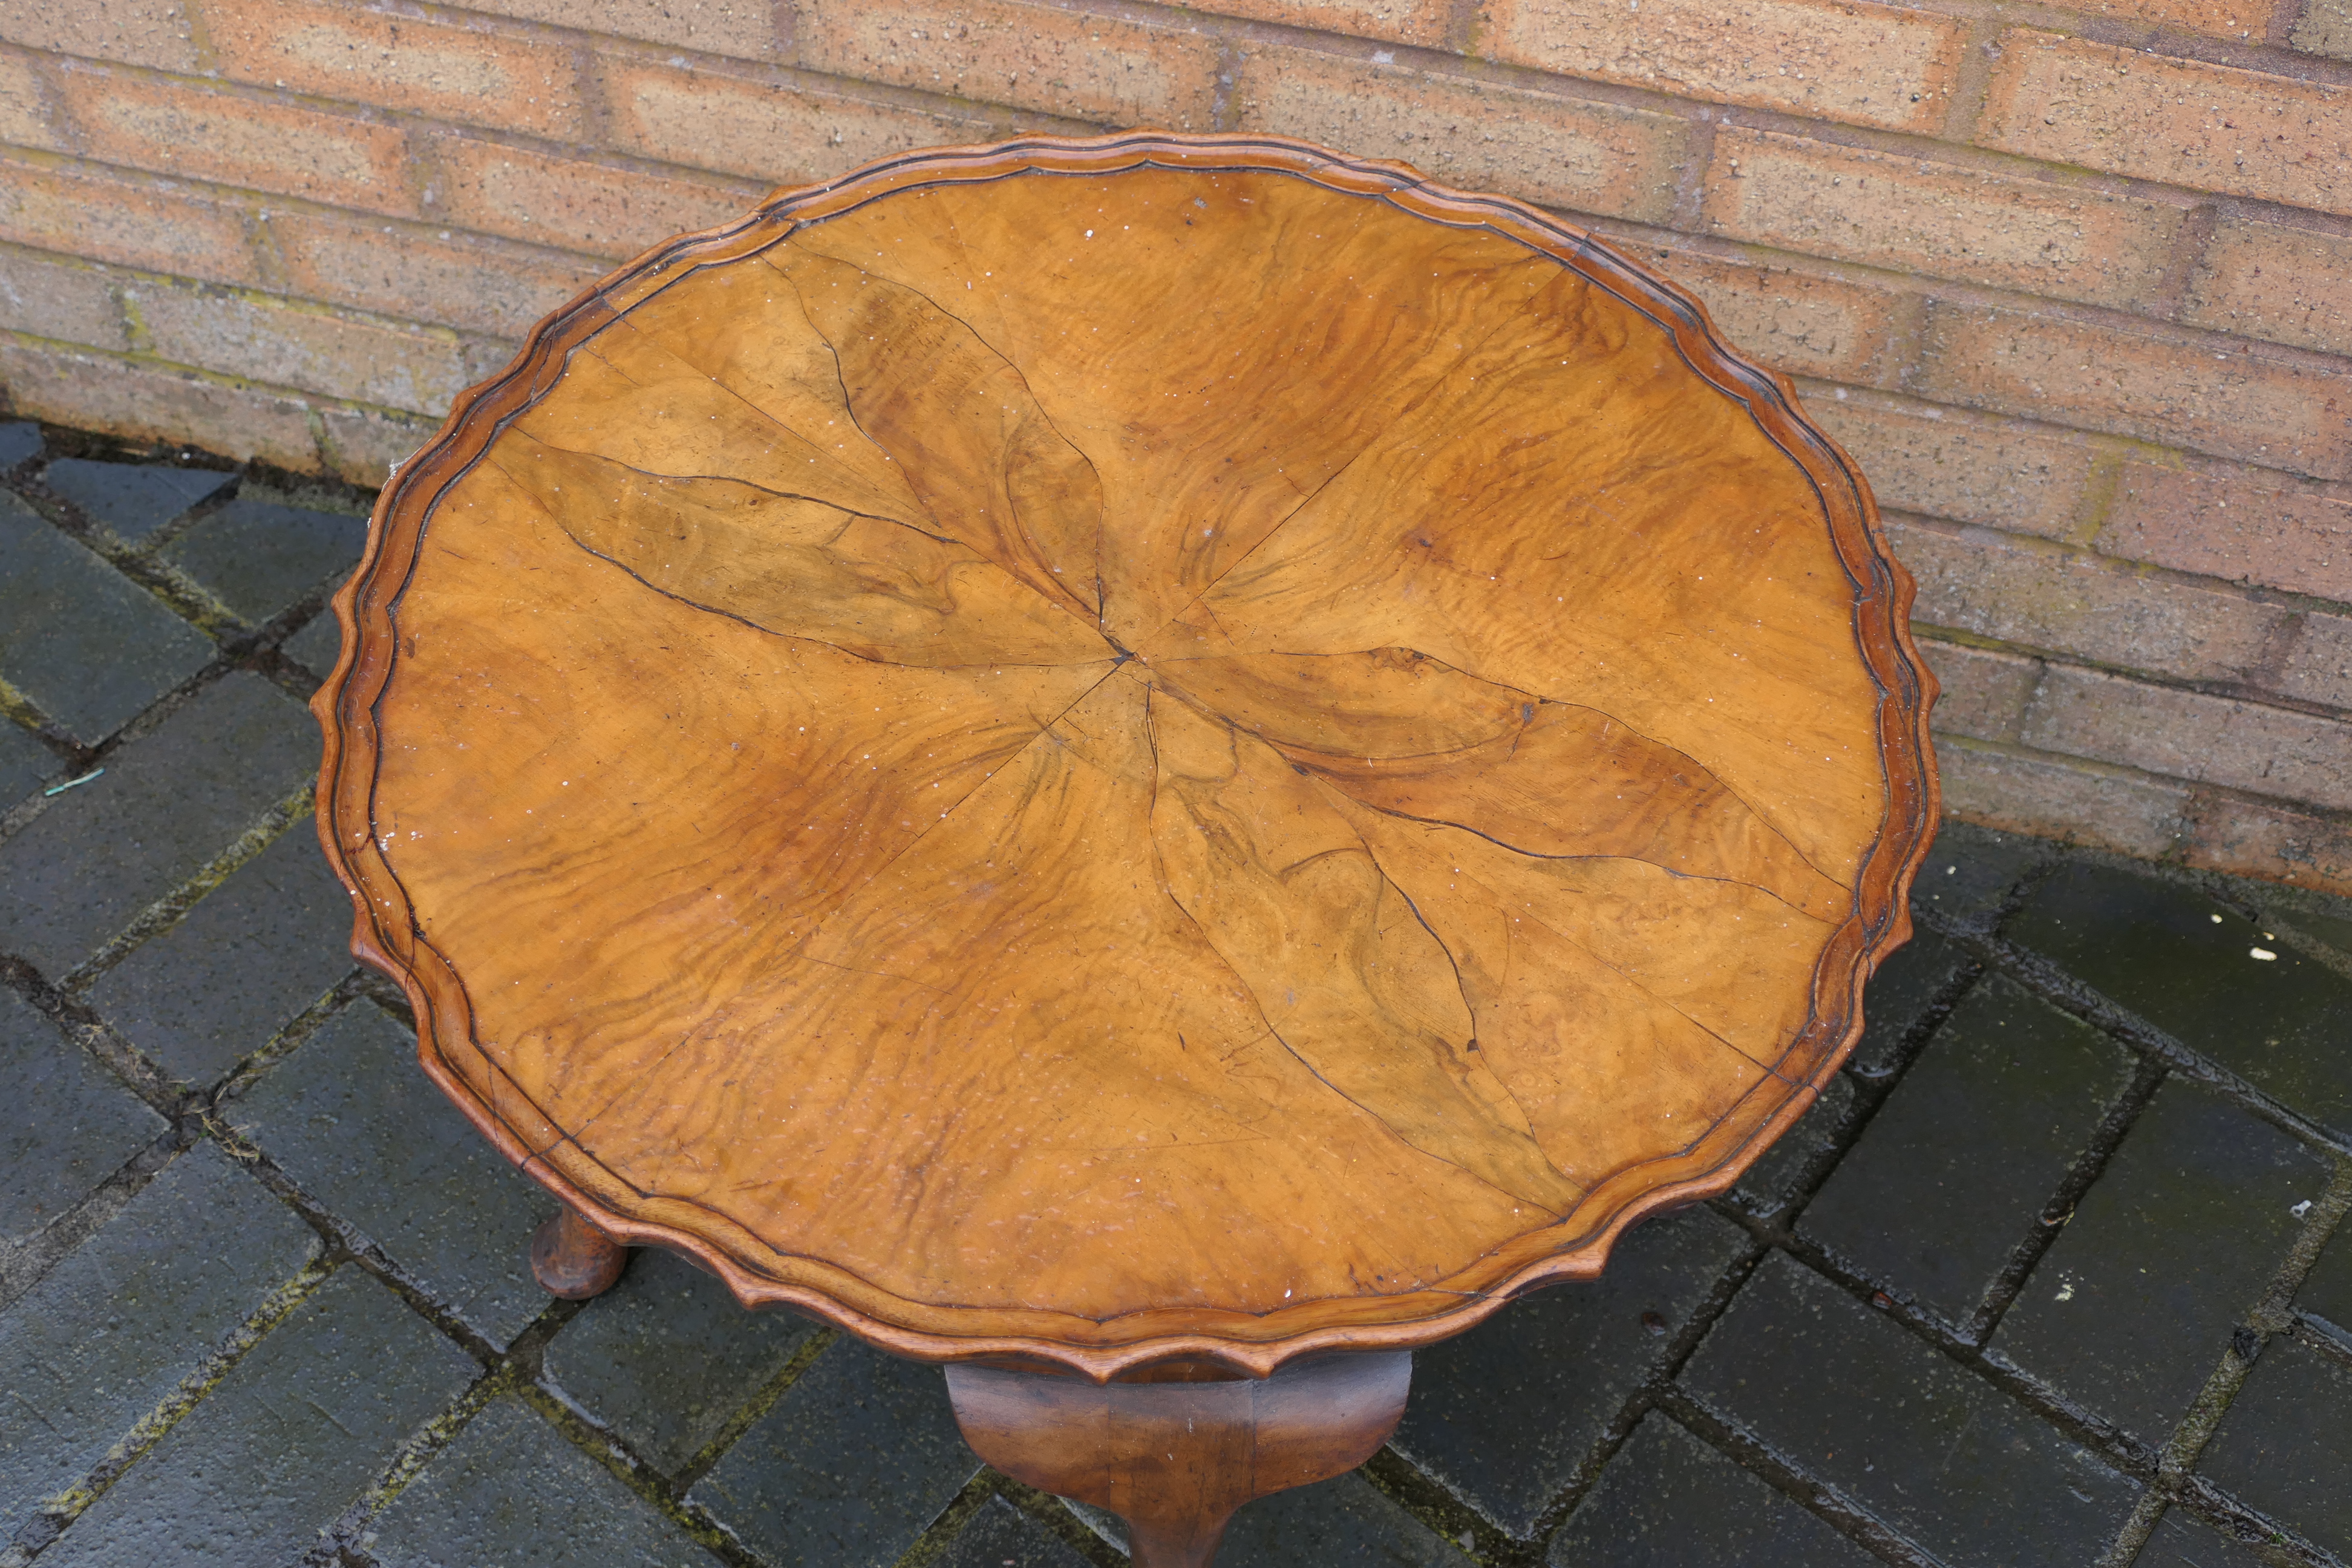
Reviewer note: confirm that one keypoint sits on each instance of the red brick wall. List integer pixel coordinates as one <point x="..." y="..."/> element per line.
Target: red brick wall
<point x="2074" y="285"/>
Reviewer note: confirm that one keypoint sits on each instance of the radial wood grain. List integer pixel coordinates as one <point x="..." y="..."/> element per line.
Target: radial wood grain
<point x="1083" y="752"/>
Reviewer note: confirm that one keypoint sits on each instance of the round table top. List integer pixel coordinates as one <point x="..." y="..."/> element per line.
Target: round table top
<point x="1097" y="751"/>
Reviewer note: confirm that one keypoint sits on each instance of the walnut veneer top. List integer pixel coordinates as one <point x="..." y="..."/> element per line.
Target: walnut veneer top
<point x="1101" y="749"/>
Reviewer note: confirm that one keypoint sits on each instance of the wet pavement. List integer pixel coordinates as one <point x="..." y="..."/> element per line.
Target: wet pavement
<point x="2052" y="1275"/>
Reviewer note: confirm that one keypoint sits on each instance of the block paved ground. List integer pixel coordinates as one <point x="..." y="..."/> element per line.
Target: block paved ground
<point x="2056" y="1274"/>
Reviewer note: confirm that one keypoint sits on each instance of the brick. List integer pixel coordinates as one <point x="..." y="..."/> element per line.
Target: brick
<point x="1420" y="22"/>
<point x="1866" y="65"/>
<point x="20" y="442"/>
<point x="1984" y="691"/>
<point x="1564" y="152"/>
<point x="150" y="402"/>
<point x="256" y="950"/>
<point x="507" y="1490"/>
<point x="2318" y="665"/>
<point x="2326" y="1290"/>
<point x="355" y="1123"/>
<point x="134" y="499"/>
<point x="1339" y="1520"/>
<point x="174" y="129"/>
<point x="857" y="1458"/>
<point x="168" y="803"/>
<point x="1937" y="1454"/>
<point x="2284" y="1445"/>
<point x="454" y="281"/>
<point x="2180" y="1542"/>
<point x="2183" y="961"/>
<point x="1951" y="464"/>
<point x="316" y="646"/>
<point x="2226" y="18"/>
<point x="259" y="558"/>
<point x="24" y="121"/>
<point x="2250" y="527"/>
<point x="463" y="74"/>
<point x="1953" y="1171"/>
<point x="782" y="135"/>
<point x="1668" y="1499"/>
<point x="363" y="446"/>
<point x="89" y="646"/>
<point x="666" y="1358"/>
<point x="1971" y="870"/>
<point x="2325" y="29"/>
<point x="998" y="1533"/>
<point x="2186" y="735"/>
<point x="136" y="32"/>
<point x="1799" y="322"/>
<point x="1904" y="990"/>
<point x="123" y="221"/>
<point x="272" y="340"/>
<point x="2056" y="797"/>
<point x="564" y="202"/>
<point x="2019" y="590"/>
<point x="2266" y="280"/>
<point x="2264" y="839"/>
<point x="743" y="29"/>
<point x="2183" y="122"/>
<point x="1504" y="1415"/>
<point x="25" y="762"/>
<point x="111" y="1330"/>
<point x="2132" y="1306"/>
<point x="300" y="1427"/>
<point x="2233" y="405"/>
<point x="69" y="1124"/>
<point x="1787" y="1170"/>
<point x="1071" y="63"/>
<point x="2060" y="241"/>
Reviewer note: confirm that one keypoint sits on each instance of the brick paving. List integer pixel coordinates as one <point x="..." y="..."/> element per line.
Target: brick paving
<point x="2053" y="1275"/>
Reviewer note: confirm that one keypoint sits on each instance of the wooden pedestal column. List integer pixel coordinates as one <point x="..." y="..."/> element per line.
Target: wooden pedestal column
<point x="1175" y="1458"/>
<point x="574" y="1259"/>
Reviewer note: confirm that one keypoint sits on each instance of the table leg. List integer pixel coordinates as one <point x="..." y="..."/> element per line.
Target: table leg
<point x="1175" y="1458"/>
<point x="574" y="1259"/>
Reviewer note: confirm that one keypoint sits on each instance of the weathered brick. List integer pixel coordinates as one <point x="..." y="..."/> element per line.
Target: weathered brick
<point x="108" y="1332"/>
<point x="1341" y="1520"/>
<point x="175" y="128"/>
<point x="1785" y="1172"/>
<point x="2285" y="1443"/>
<point x="2267" y="280"/>
<point x="138" y="32"/>
<point x="1801" y="322"/>
<point x="2318" y="664"/>
<point x="2022" y="591"/>
<point x="2180" y="1542"/>
<point x="465" y="74"/>
<point x="150" y="402"/>
<point x="859" y="1454"/>
<point x="25" y="762"/>
<point x="744" y="28"/>
<point x="293" y="1435"/>
<point x="288" y="343"/>
<point x="507" y="1490"/>
<point x="1667" y="1498"/>
<point x="1857" y="206"/>
<point x="566" y="202"/>
<point x="2229" y="403"/>
<point x="1985" y="690"/>
<point x="2185" y="962"/>
<point x="259" y="558"/>
<point x="454" y="281"/>
<point x="2184" y="122"/>
<point x="2250" y="527"/>
<point x="784" y="135"/>
<point x="2134" y="1303"/>
<point x="1868" y="65"/>
<point x="2227" y="18"/>
<point x="2265" y="838"/>
<point x="355" y="1123"/>
<point x="1941" y="1455"/>
<point x="67" y="1126"/>
<point x="1037" y="57"/>
<point x="2325" y="29"/>
<point x="2188" y="735"/>
<point x="317" y="645"/>
<point x="1952" y="1174"/>
<point x="1420" y="22"/>
<point x="2053" y="797"/>
<point x="20" y="442"/>
<point x="52" y="297"/>
<point x="23" y="121"/>
<point x="120" y="220"/>
<point x="666" y="1358"/>
<point x="362" y="446"/>
<point x="168" y="803"/>
<point x="134" y="499"/>
<point x="1504" y="1415"/>
<point x="1903" y="990"/>
<point x="256" y="950"/>
<point x="89" y="646"/>
<point x="1950" y="463"/>
<point x="998" y="1532"/>
<point x="1971" y="870"/>
<point x="1566" y="153"/>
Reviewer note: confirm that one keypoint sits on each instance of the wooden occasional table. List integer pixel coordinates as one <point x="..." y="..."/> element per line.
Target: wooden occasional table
<point x="1129" y="765"/>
